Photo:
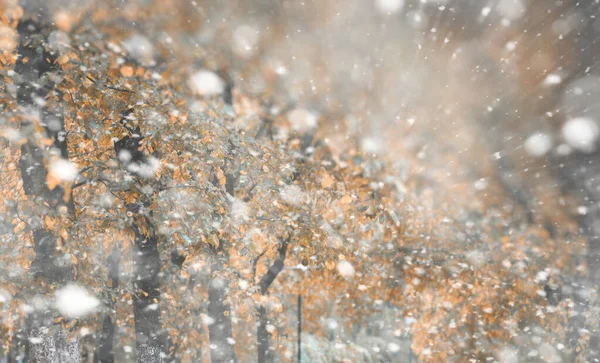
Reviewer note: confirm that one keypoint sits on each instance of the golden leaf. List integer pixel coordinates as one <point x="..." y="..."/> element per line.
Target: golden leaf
<point x="326" y="181"/>
<point x="330" y="265"/>
<point x="346" y="199"/>
<point x="63" y="59"/>
<point x="221" y="176"/>
<point x="126" y="71"/>
<point x="51" y="181"/>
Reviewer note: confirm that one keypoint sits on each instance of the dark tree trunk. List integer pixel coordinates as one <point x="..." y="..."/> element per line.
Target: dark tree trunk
<point x="146" y="307"/>
<point x="265" y="350"/>
<point x="220" y="331"/>
<point x="149" y="333"/>
<point x="35" y="66"/>
<point x="104" y="348"/>
<point x="263" y="337"/>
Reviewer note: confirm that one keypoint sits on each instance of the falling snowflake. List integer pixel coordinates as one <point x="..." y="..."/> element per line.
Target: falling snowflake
<point x="206" y="83"/>
<point x="75" y="302"/>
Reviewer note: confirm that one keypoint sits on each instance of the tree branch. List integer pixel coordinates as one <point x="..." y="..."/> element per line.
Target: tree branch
<point x="275" y="268"/>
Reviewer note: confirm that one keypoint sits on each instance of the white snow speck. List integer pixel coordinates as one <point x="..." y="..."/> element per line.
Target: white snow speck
<point x="581" y="133"/>
<point x="393" y="347"/>
<point x="389" y="6"/>
<point x="36" y="340"/>
<point x="59" y="40"/>
<point x="281" y="70"/>
<point x="508" y="355"/>
<point x="140" y="48"/>
<point x="245" y="39"/>
<point x="207" y="320"/>
<point x="371" y="145"/>
<point x="332" y="324"/>
<point x="538" y="144"/>
<point x="409" y="320"/>
<point x="511" y="9"/>
<point x="63" y="170"/>
<point x="206" y="83"/>
<point x="74" y="302"/>
<point x="510" y="46"/>
<point x="549" y="354"/>
<point x="125" y="156"/>
<point x="292" y="194"/>
<point x="238" y="210"/>
<point x="541" y="276"/>
<point x="5" y="296"/>
<point x="302" y="120"/>
<point x="13" y="135"/>
<point x="481" y="184"/>
<point x="552" y="79"/>
<point x="345" y="269"/>
<point x="151" y="307"/>
<point x="145" y="170"/>
<point x="270" y="328"/>
<point x="231" y="341"/>
<point x="243" y="284"/>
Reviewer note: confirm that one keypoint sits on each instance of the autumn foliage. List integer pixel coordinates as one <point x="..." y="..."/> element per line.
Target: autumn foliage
<point x="206" y="211"/>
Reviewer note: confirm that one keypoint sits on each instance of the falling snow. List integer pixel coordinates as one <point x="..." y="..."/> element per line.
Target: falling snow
<point x="206" y="83"/>
<point x="75" y="302"/>
<point x="382" y="180"/>
<point x="63" y="170"/>
<point x="581" y="133"/>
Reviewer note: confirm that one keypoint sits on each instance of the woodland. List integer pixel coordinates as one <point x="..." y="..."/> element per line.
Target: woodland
<point x="170" y="194"/>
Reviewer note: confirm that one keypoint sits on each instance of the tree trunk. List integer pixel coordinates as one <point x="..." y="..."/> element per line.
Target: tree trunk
<point x="35" y="67"/>
<point x="265" y="350"/>
<point x="146" y="307"/>
<point x="149" y="334"/>
<point x="220" y="331"/>
<point x="104" y="348"/>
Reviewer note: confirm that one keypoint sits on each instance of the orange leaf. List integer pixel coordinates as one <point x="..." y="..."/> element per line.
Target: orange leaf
<point x="347" y="199"/>
<point x="326" y="181"/>
<point x="51" y="181"/>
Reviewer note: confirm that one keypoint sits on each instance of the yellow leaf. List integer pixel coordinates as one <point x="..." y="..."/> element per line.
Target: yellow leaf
<point x="47" y="142"/>
<point x="51" y="181"/>
<point x="347" y="199"/>
<point x="67" y="195"/>
<point x="19" y="227"/>
<point x="64" y="234"/>
<point x="126" y="71"/>
<point x="63" y="59"/>
<point x="221" y="176"/>
<point x="50" y="224"/>
<point x="326" y="181"/>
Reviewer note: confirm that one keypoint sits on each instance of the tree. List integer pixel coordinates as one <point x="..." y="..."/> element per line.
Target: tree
<point x="44" y="164"/>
